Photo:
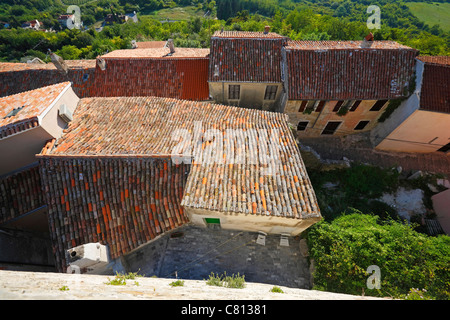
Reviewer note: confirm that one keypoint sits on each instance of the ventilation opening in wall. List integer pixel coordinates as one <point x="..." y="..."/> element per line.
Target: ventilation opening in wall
<point x="212" y="223"/>
<point x="65" y="113"/>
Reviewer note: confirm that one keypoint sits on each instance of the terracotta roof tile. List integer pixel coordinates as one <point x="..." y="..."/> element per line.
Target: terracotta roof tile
<point x="143" y="127"/>
<point x="336" y="45"/>
<point x="246" y="57"/>
<point x="19" y="77"/>
<point x="174" y="77"/>
<point x="20" y="193"/>
<point x="150" y="44"/>
<point x="120" y="202"/>
<point x="330" y="70"/>
<point x="29" y="105"/>
<point x="158" y="53"/>
<point x="435" y="91"/>
<point x="247" y="34"/>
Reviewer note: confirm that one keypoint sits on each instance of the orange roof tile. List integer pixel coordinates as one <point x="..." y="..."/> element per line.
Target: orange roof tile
<point x="30" y="105"/>
<point x="143" y="127"/>
<point x="158" y="53"/>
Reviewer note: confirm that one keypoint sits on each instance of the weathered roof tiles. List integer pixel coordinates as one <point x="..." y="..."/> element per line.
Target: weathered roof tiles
<point x="20" y="111"/>
<point x="343" y="70"/>
<point x="255" y="169"/>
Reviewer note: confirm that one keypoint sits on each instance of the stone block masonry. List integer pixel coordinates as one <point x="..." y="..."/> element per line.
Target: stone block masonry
<point x="194" y="252"/>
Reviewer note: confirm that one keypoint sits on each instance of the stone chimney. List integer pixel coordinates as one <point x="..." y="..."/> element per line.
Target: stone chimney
<point x="369" y="37"/>
<point x="266" y="29"/>
<point x="171" y="45"/>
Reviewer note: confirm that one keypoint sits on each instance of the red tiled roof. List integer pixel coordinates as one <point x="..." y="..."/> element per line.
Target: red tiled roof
<point x="111" y="176"/>
<point x="343" y="70"/>
<point x="435" y="91"/>
<point x="158" y="53"/>
<point x="120" y="202"/>
<point x="143" y="126"/>
<point x="32" y="103"/>
<point x="247" y="34"/>
<point x="20" y="193"/>
<point x="19" y="77"/>
<point x="150" y="44"/>
<point x="245" y="57"/>
<point x="175" y="77"/>
<point x="336" y="45"/>
<point x="440" y="60"/>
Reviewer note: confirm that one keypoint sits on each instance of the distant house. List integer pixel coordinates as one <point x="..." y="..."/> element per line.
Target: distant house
<point x="33" y="24"/>
<point x="4" y="24"/>
<point x="64" y="19"/>
<point x="115" y="18"/>
<point x="132" y="17"/>
<point x="421" y="123"/>
<point x="246" y="69"/>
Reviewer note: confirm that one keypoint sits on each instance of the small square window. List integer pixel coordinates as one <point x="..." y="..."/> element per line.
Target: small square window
<point x="234" y="92"/>
<point x="331" y="127"/>
<point x="378" y="105"/>
<point x="301" y="126"/>
<point x="212" y="223"/>
<point x="271" y="92"/>
<point x="361" y="125"/>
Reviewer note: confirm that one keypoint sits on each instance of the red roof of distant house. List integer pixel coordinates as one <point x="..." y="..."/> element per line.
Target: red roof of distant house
<point x="150" y="44"/>
<point x="340" y="70"/>
<point x="240" y="56"/>
<point x="435" y="91"/>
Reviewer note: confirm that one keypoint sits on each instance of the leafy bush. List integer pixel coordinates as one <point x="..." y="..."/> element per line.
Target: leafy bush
<point x="346" y="247"/>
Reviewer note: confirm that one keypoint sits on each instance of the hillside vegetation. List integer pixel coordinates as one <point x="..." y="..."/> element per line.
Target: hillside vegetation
<point x="432" y="13"/>
<point x="299" y="20"/>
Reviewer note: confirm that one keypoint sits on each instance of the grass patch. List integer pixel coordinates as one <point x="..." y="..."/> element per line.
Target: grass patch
<point x="276" y="290"/>
<point x="233" y="281"/>
<point x="64" y="288"/>
<point x="432" y="13"/>
<point x="177" y="14"/>
<point x="120" y="279"/>
<point x="178" y="283"/>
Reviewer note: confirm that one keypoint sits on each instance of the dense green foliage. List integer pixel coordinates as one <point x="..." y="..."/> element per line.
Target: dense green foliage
<point x="412" y="265"/>
<point x="298" y="19"/>
<point x="356" y="187"/>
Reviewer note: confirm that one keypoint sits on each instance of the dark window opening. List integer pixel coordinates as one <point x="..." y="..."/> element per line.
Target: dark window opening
<point x="378" y="105"/>
<point x="271" y="92"/>
<point x="331" y="127"/>
<point x="338" y="106"/>
<point x="445" y="148"/>
<point x="361" y="125"/>
<point x="302" y="106"/>
<point x="234" y="92"/>
<point x="355" y="105"/>
<point x="301" y="126"/>
<point x="320" y="106"/>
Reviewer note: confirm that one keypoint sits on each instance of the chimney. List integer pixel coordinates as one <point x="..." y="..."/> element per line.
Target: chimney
<point x="170" y="45"/>
<point x="266" y="29"/>
<point x="369" y="37"/>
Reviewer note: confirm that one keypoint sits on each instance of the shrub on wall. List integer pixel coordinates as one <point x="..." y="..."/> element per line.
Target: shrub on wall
<point x="408" y="261"/>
